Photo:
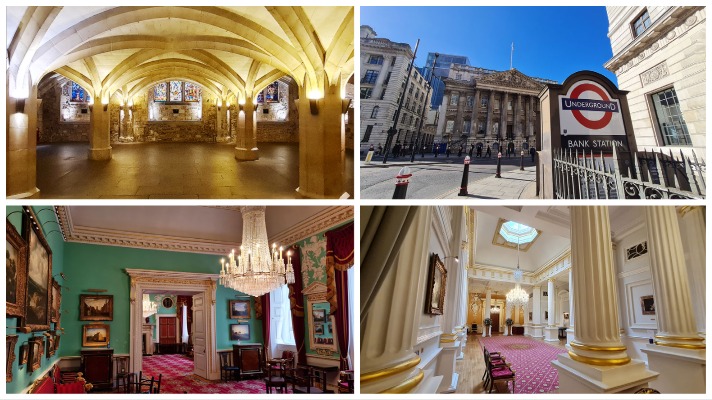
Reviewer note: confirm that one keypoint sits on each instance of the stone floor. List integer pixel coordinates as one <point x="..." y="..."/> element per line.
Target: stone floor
<point x="172" y="171"/>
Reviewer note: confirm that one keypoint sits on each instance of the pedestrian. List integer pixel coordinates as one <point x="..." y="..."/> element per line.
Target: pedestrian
<point x="479" y="150"/>
<point x="396" y="150"/>
<point x="459" y="151"/>
<point x="422" y="152"/>
<point x="370" y="148"/>
<point x="380" y="150"/>
<point x="436" y="150"/>
<point x="447" y="151"/>
<point x="488" y="153"/>
<point x="532" y="151"/>
<point x="472" y="148"/>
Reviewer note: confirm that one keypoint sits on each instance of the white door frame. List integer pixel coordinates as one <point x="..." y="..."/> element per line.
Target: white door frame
<point x="143" y="280"/>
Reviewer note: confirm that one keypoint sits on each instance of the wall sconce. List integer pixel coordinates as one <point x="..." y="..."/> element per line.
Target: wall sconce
<point x="314" y="106"/>
<point x="345" y="103"/>
<point x="241" y="106"/>
<point x="106" y="107"/>
<point x="20" y="106"/>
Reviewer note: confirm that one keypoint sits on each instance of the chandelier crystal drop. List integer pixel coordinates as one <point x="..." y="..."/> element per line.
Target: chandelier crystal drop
<point x="517" y="297"/>
<point x="257" y="269"/>
<point x="149" y="307"/>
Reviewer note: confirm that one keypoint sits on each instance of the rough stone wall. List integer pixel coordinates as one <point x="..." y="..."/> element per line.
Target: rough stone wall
<point x="50" y="120"/>
<point x="281" y="124"/>
<point x="115" y="114"/>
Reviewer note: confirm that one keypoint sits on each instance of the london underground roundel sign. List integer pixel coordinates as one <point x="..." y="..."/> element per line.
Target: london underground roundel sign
<point x="587" y="112"/>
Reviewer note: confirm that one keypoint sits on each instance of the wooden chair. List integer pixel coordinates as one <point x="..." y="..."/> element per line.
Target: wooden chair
<point x="494" y="358"/>
<point x="346" y="381"/>
<point x="227" y="370"/>
<point x="276" y="377"/>
<point x="302" y="379"/>
<point x="498" y="373"/>
<point x="250" y="360"/>
<point x="146" y="385"/>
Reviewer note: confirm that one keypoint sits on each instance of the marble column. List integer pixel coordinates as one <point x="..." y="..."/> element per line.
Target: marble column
<point x="487" y="311"/>
<point x="503" y="117"/>
<point x="597" y="360"/>
<point x="551" y="333"/>
<point x="389" y="362"/>
<point x="489" y="122"/>
<point x="537" y="328"/>
<point x="570" y="331"/>
<point x="692" y="225"/>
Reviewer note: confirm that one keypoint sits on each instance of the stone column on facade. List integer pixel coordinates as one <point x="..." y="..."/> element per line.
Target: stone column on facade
<point x="442" y="122"/>
<point x="487" y="311"/>
<point x="517" y="129"/>
<point x="459" y="117"/>
<point x="597" y="361"/>
<point x="99" y="138"/>
<point x="490" y="107"/>
<point x="570" y="331"/>
<point x="536" y="325"/>
<point x="692" y="225"/>
<point x="475" y="113"/>
<point x="679" y="351"/>
<point x="246" y="141"/>
<point x="389" y="363"/>
<point x="551" y="331"/>
<point x="503" y="117"/>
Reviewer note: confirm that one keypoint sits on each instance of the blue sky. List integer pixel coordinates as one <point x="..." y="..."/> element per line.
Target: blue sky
<point x="549" y="42"/>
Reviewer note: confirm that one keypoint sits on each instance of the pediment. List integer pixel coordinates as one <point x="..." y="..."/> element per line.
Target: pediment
<point x="512" y="78"/>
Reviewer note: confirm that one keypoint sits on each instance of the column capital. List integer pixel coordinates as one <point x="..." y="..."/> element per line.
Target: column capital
<point x="684" y="210"/>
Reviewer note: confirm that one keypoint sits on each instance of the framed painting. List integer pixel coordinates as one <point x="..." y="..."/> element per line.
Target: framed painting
<point x="239" y="309"/>
<point x="39" y="274"/>
<point x="96" y="335"/>
<point x="50" y="344"/>
<point x="96" y="307"/>
<point x="24" y="349"/>
<point x="239" y="332"/>
<point x="56" y="301"/>
<point x="56" y="342"/>
<point x="15" y="272"/>
<point x="36" y="346"/>
<point x="647" y="303"/>
<point x="10" y="342"/>
<point x="435" y="295"/>
<point x="322" y="335"/>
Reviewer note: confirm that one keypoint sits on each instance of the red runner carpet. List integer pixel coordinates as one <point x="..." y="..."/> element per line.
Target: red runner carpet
<point x="178" y="377"/>
<point x="531" y="361"/>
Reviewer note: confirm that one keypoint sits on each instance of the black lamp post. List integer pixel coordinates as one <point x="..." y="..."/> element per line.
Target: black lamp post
<point x="392" y="130"/>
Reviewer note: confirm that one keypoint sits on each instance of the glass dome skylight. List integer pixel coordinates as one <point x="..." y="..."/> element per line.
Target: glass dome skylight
<point x="514" y="232"/>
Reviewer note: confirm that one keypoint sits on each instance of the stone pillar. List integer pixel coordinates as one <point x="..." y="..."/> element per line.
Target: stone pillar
<point x="100" y="138"/>
<point x="246" y="140"/>
<point x="570" y="331"/>
<point x="321" y="144"/>
<point x="597" y="360"/>
<point x="459" y="117"/>
<point x="389" y="362"/>
<point x="679" y="351"/>
<point x="487" y="310"/>
<point x="489" y="122"/>
<point x="21" y="150"/>
<point x="692" y="225"/>
<point x="551" y="333"/>
<point x="517" y="127"/>
<point x="475" y="113"/>
<point x="536" y="327"/>
<point x="221" y="126"/>
<point x="503" y="117"/>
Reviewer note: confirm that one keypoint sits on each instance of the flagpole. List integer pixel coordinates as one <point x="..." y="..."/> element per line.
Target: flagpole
<point x="511" y="57"/>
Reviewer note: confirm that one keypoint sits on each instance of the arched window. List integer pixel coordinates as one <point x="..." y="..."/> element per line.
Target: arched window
<point x="374" y="112"/>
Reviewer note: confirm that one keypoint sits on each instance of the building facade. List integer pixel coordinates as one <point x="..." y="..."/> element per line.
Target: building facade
<point x="659" y="57"/>
<point x="489" y="108"/>
<point x="384" y="66"/>
<point x="441" y="70"/>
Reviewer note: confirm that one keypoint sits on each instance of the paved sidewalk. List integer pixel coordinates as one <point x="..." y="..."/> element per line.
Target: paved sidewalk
<point x="514" y="184"/>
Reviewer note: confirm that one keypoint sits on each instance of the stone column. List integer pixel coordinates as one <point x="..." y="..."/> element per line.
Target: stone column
<point x="475" y="113"/>
<point x="503" y="118"/>
<point x="692" y="225"/>
<point x="389" y="362"/>
<point x="517" y="127"/>
<point x="570" y="331"/>
<point x="246" y="140"/>
<point x="459" y="117"/>
<point x="597" y="360"/>
<point x="21" y="150"/>
<point x="127" y="123"/>
<point x="489" y="122"/>
<point x="537" y="328"/>
<point x="551" y="333"/>
<point x="487" y="310"/>
<point x="100" y="138"/>
<point x="221" y="125"/>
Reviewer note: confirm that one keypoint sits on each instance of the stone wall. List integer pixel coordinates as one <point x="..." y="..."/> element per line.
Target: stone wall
<point x="281" y="123"/>
<point x="50" y="120"/>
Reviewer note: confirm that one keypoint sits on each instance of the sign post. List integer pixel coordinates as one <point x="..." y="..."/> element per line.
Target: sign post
<point x="587" y="114"/>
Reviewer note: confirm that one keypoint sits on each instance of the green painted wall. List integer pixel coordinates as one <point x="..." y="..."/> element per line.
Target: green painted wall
<point x="20" y="377"/>
<point x="102" y="267"/>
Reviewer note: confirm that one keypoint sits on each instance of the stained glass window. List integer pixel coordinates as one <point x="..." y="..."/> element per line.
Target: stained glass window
<point x="270" y="94"/>
<point x="160" y="93"/>
<point x="77" y="93"/>
<point x="191" y="92"/>
<point x="176" y="91"/>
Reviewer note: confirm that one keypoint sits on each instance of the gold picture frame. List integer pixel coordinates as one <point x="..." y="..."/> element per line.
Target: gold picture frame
<point x="10" y="342"/>
<point x="15" y="272"/>
<point x="36" y="347"/>
<point x="39" y="273"/>
<point x="239" y="309"/>
<point x="56" y="301"/>
<point x="96" y="307"/>
<point x="96" y="335"/>
<point x="437" y="280"/>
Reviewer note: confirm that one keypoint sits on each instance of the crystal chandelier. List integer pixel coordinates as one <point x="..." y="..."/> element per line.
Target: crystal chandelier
<point x="149" y="307"/>
<point x="517" y="297"/>
<point x="257" y="269"/>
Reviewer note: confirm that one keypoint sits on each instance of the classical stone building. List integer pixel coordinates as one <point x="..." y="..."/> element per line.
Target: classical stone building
<point x="485" y="107"/>
<point x="659" y="57"/>
<point x="384" y="66"/>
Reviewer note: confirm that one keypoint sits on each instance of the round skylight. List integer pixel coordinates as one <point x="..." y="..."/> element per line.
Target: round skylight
<point x="514" y="232"/>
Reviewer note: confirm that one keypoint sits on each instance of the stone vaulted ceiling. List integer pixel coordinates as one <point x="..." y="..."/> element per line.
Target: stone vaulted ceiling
<point x="233" y="52"/>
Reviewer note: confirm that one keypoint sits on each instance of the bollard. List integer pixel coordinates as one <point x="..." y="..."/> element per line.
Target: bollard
<point x="521" y="161"/>
<point x="465" y="175"/>
<point x="499" y="165"/>
<point x="369" y="156"/>
<point x="402" y="181"/>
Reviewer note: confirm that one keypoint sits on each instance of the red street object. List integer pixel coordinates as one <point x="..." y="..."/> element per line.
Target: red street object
<point x="402" y="181"/>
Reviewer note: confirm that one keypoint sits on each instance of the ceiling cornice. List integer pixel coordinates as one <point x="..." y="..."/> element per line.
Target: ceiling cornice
<point x="328" y="218"/>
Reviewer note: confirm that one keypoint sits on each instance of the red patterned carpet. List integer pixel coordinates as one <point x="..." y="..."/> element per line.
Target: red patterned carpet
<point x="530" y="360"/>
<point x="178" y="377"/>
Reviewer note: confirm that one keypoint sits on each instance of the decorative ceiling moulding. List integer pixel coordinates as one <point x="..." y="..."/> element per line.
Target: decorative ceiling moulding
<point x="499" y="240"/>
<point x="319" y="222"/>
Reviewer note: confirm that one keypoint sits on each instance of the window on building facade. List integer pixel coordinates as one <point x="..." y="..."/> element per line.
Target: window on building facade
<point x="375" y="59"/>
<point x="496" y="104"/>
<point x="470" y="101"/>
<point x="407" y="104"/>
<point x="370" y="77"/>
<point x="374" y="112"/>
<point x="483" y="102"/>
<point x="466" y="127"/>
<point x="403" y="119"/>
<point x="454" y="98"/>
<point x="366" y="93"/>
<point x="410" y="91"/>
<point x="509" y="105"/>
<point x="641" y="23"/>
<point x="449" y="125"/>
<point x="367" y="134"/>
<point x="670" y="119"/>
<point x="458" y="77"/>
<point x="388" y="78"/>
<point x="481" y="127"/>
<point x="410" y="120"/>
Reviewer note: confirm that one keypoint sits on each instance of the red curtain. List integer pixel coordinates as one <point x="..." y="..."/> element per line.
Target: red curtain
<point x="296" y="300"/>
<point x="339" y="258"/>
<point x="264" y="300"/>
